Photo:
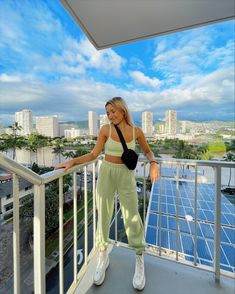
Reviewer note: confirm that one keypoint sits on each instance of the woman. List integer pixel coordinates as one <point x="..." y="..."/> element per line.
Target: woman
<point x="114" y="176"/>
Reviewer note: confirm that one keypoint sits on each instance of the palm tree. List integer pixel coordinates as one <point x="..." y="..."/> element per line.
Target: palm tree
<point x="3" y="146"/>
<point x="36" y="141"/>
<point x="69" y="154"/>
<point x="58" y="147"/>
<point x="43" y="142"/>
<point x="32" y="145"/>
<point x="229" y="156"/>
<point x="15" y="142"/>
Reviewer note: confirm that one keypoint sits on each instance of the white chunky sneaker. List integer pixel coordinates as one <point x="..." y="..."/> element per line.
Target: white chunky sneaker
<point x="102" y="265"/>
<point x="139" y="276"/>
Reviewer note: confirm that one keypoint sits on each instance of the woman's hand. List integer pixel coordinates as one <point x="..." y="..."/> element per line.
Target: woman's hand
<point x="66" y="165"/>
<point x="154" y="172"/>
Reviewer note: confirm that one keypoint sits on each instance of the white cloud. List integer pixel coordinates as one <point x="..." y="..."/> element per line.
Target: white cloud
<point x="69" y="77"/>
<point x="76" y="58"/>
<point x="106" y="60"/>
<point x="142" y="79"/>
<point x="7" y="78"/>
<point x="189" y="53"/>
<point x="205" y="91"/>
<point x="53" y="51"/>
<point x="72" y="98"/>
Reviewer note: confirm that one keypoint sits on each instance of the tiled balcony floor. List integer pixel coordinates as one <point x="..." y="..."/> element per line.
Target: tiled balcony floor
<point x="162" y="277"/>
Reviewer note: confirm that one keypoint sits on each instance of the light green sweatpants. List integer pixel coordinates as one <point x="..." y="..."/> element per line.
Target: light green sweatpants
<point x="118" y="178"/>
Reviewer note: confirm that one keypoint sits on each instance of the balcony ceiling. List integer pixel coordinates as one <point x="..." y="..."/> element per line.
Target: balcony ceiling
<point x="109" y="23"/>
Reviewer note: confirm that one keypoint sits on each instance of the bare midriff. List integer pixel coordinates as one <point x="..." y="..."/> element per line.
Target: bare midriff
<point x="113" y="159"/>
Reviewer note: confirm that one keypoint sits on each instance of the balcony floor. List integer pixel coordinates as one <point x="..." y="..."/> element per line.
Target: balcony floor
<point x="162" y="277"/>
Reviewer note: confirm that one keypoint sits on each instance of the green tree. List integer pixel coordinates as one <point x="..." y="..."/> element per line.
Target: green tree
<point x="81" y="151"/>
<point x="36" y="141"/>
<point x="229" y="156"/>
<point x="51" y="210"/>
<point x="13" y="141"/>
<point x="58" y="147"/>
<point x="3" y="146"/>
<point x="230" y="146"/>
<point x="69" y="154"/>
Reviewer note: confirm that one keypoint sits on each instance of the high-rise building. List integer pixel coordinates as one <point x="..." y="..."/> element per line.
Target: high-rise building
<point x="72" y="133"/>
<point x="161" y="129"/>
<point x="183" y="126"/>
<point x="103" y="120"/>
<point x="48" y="126"/>
<point x="170" y="125"/>
<point x="147" y="123"/>
<point x="93" y="123"/>
<point x="24" y="119"/>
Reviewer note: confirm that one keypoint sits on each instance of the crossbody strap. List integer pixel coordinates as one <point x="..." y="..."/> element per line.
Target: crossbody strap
<point x="121" y="138"/>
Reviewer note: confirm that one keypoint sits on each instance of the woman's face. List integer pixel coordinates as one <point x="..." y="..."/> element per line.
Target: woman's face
<point x="114" y="115"/>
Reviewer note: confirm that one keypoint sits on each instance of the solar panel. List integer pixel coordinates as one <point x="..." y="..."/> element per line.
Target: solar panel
<point x="205" y="224"/>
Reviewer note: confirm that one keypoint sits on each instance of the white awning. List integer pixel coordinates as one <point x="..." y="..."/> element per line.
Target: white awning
<point x="109" y="23"/>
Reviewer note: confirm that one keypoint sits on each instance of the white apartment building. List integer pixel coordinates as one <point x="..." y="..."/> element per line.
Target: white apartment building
<point x="147" y="123"/>
<point x="24" y="119"/>
<point x="93" y="123"/>
<point x="103" y="120"/>
<point x="72" y="133"/>
<point x="6" y="192"/>
<point x="171" y="122"/>
<point x="161" y="129"/>
<point x="63" y="127"/>
<point x="183" y="127"/>
<point x="48" y="125"/>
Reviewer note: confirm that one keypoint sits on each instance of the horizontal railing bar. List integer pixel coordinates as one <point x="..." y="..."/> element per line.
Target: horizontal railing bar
<point x="157" y="212"/>
<point x="24" y="172"/>
<point x="55" y="174"/>
<point x="20" y="170"/>
<point x="210" y="163"/>
<point x="27" y="174"/>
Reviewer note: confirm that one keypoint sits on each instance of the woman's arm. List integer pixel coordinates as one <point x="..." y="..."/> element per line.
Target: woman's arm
<point x="153" y="171"/>
<point x="90" y="156"/>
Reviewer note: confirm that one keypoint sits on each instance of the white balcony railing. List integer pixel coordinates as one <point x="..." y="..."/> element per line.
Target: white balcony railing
<point x="40" y="183"/>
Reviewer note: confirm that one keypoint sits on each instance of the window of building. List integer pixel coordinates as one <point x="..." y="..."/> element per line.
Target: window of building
<point x="9" y="196"/>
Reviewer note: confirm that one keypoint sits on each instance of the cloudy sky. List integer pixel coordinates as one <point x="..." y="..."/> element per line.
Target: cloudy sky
<point x="48" y="65"/>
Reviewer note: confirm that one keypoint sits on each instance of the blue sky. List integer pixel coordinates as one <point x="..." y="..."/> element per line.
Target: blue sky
<point x="48" y="65"/>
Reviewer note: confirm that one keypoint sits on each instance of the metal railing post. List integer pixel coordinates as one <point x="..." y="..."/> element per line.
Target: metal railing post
<point x="94" y="202"/>
<point x="16" y="234"/>
<point x="85" y="215"/>
<point x="144" y="204"/>
<point x="195" y="217"/>
<point x="177" y="212"/>
<point x="61" y="235"/>
<point x="75" y="231"/>
<point x="217" y="227"/>
<point x="39" y="239"/>
<point x="160" y="215"/>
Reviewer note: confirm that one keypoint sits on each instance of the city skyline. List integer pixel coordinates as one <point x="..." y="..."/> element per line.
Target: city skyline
<point x="103" y="119"/>
<point x="50" y="67"/>
<point x="170" y="126"/>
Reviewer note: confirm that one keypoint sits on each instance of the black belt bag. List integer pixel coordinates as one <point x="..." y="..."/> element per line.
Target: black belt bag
<point x="129" y="156"/>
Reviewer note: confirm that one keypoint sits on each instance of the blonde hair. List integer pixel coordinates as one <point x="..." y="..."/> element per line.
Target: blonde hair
<point x="120" y="104"/>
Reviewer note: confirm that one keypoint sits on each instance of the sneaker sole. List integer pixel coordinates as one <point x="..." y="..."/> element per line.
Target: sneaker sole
<point x="141" y="287"/>
<point x="100" y="282"/>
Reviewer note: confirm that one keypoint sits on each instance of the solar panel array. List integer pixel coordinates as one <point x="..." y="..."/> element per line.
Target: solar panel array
<point x="166" y="236"/>
<point x="171" y="171"/>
